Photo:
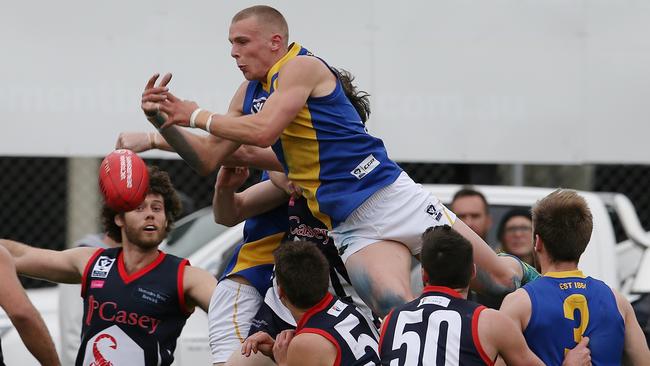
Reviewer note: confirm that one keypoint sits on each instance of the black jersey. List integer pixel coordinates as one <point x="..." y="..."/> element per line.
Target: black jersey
<point x="353" y="335"/>
<point x="439" y="327"/>
<point x="304" y="226"/>
<point x="131" y="319"/>
<point x="2" y="363"/>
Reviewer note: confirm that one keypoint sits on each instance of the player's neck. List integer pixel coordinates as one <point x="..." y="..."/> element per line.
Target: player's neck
<point x="135" y="258"/>
<point x="548" y="266"/>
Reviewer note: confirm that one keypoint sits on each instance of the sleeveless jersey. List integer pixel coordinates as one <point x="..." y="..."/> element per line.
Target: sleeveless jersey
<point x="439" y="325"/>
<point x="353" y="335"/>
<point x="131" y="319"/>
<point x="326" y="149"/>
<point x="253" y="257"/>
<point x="566" y="306"/>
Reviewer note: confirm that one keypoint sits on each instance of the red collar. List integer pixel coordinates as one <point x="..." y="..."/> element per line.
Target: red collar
<point x="128" y="278"/>
<point x="443" y="289"/>
<point x="314" y="309"/>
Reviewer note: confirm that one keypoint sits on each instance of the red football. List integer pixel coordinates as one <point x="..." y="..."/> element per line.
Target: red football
<point x="123" y="180"/>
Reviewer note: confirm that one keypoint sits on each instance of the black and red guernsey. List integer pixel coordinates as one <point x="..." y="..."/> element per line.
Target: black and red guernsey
<point x="131" y="319"/>
<point x="438" y="328"/>
<point x="354" y="336"/>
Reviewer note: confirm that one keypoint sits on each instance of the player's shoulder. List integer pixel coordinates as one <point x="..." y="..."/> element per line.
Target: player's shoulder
<point x="519" y="296"/>
<point x="309" y="343"/>
<point x="305" y="64"/>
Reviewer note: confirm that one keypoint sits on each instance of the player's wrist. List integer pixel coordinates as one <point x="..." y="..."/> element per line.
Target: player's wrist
<point x="202" y="119"/>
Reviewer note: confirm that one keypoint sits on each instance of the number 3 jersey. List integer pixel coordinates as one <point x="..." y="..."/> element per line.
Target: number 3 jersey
<point x="131" y="319"/>
<point x="353" y="335"/>
<point x="567" y="305"/>
<point x="438" y="328"/>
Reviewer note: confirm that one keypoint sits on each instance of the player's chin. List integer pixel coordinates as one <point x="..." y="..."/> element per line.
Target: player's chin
<point x="149" y="239"/>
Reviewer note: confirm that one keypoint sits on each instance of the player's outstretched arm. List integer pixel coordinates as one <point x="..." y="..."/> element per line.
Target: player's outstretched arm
<point x="299" y="79"/>
<point x="231" y="208"/>
<point x="495" y="276"/>
<point x="635" y="350"/>
<point x="198" y="285"/>
<point x="23" y="315"/>
<point x="65" y="266"/>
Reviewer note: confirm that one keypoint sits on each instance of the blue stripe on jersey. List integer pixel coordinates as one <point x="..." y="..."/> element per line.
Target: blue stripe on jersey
<point x="566" y="306"/>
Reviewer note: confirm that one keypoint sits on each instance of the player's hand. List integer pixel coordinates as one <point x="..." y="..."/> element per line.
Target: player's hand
<point x="260" y="341"/>
<point x="231" y="178"/>
<point x="282" y="345"/>
<point x="178" y="111"/>
<point x="135" y="141"/>
<point x="580" y="355"/>
<point x="153" y="95"/>
<point x="281" y="181"/>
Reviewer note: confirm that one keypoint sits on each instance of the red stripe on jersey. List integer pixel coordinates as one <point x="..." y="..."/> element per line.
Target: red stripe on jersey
<point x="384" y="327"/>
<point x="87" y="268"/>
<point x="180" y="287"/>
<point x="128" y="278"/>
<point x="327" y="336"/>
<point x="475" y="337"/>
<point x="315" y="309"/>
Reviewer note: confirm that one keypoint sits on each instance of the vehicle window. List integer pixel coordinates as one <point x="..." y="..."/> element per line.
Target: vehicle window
<point x="193" y="232"/>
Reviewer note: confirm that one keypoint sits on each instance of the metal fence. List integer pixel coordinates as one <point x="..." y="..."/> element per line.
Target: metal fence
<point x="50" y="202"/>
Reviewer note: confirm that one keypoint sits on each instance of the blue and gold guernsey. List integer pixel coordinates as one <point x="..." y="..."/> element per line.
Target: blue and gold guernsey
<point x="326" y="149"/>
<point x="566" y="306"/>
<point x="253" y="257"/>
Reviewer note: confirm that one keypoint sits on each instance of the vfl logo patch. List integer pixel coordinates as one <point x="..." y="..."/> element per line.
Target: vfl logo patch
<point x="257" y="104"/>
<point x="367" y="165"/>
<point x="431" y="210"/>
<point x="435" y="300"/>
<point x="102" y="267"/>
<point x="337" y="308"/>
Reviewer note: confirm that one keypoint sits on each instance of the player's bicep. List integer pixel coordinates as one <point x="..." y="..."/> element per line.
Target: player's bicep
<point x="65" y="266"/>
<point x="304" y="347"/>
<point x="296" y="81"/>
<point x="198" y="285"/>
<point x="260" y="198"/>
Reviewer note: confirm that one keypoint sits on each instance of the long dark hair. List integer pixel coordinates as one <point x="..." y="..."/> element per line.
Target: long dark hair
<point x="359" y="98"/>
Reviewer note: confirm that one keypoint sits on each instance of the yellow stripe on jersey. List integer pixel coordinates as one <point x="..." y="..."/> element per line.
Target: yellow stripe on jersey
<point x="257" y="252"/>
<point x="293" y="52"/>
<point x="565" y="274"/>
<point x="300" y="145"/>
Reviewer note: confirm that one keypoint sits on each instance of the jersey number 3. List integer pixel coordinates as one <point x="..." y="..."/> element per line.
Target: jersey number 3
<point x="571" y="304"/>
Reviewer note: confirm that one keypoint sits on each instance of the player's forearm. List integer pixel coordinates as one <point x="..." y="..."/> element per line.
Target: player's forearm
<point x="35" y="335"/>
<point x="226" y="207"/>
<point x="254" y="156"/>
<point x="247" y="130"/>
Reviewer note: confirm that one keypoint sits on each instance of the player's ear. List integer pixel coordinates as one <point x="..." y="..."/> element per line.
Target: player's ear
<point x="538" y="244"/>
<point x="425" y="277"/>
<point x="473" y="271"/>
<point x="276" y="42"/>
<point x="119" y="220"/>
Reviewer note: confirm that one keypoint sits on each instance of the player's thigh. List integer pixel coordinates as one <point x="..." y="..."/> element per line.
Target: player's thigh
<point x="381" y="272"/>
<point x="232" y="308"/>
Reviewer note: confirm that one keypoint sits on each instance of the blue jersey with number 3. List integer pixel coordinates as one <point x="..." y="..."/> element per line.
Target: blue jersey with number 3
<point x="568" y="305"/>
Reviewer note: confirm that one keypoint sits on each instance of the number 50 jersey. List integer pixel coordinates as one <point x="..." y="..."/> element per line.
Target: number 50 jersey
<point x="438" y="328"/>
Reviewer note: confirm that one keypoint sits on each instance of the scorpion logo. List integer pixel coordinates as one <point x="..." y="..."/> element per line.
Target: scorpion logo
<point x="99" y="358"/>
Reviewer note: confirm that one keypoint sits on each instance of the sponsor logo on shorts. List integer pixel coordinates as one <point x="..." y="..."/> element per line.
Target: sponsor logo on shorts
<point x="337" y="308"/>
<point x="431" y="210"/>
<point x="435" y="300"/>
<point x="102" y="267"/>
<point x="366" y="166"/>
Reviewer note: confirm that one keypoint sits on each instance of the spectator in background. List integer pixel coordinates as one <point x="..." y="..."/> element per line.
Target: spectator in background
<point x="471" y="206"/>
<point x="515" y="233"/>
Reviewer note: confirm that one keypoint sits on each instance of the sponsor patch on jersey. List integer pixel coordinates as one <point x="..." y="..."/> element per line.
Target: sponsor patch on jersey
<point x="435" y="300"/>
<point x="431" y="210"/>
<point x="337" y="308"/>
<point x="366" y="166"/>
<point x="102" y="267"/>
<point x="96" y="284"/>
<point x="150" y="296"/>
